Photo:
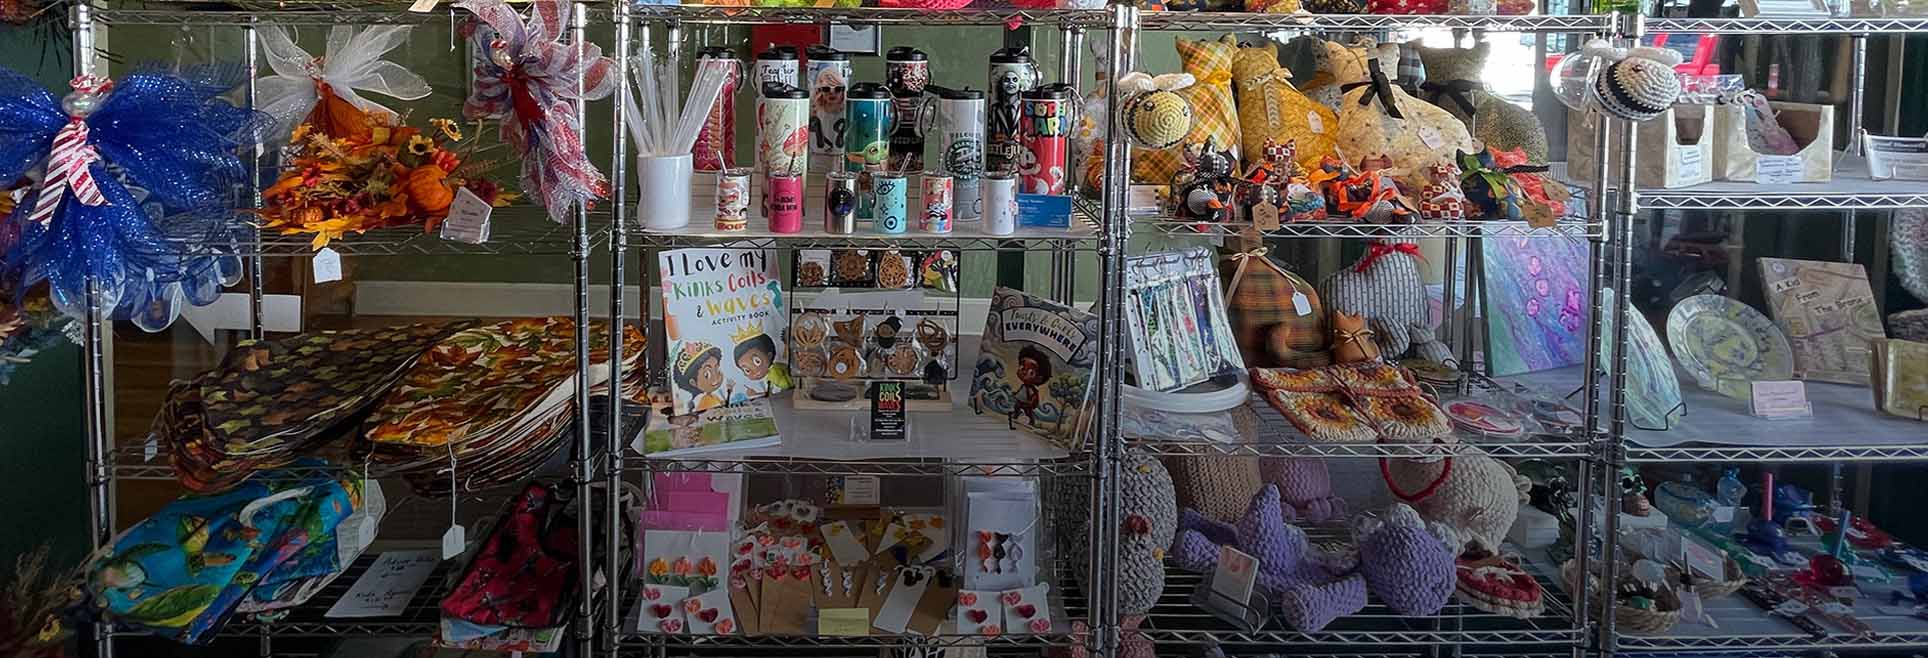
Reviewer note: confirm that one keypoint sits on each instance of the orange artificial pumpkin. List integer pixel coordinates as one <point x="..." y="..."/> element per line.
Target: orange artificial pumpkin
<point x="425" y="189"/>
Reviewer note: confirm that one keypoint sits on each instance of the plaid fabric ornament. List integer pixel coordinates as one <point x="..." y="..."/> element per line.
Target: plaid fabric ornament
<point x="1277" y="318"/>
<point x="1214" y="113"/>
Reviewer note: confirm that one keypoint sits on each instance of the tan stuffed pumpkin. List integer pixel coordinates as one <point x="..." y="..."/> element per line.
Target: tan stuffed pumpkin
<point x="1270" y="108"/>
<point x="1380" y="119"/>
<point x="1214" y="112"/>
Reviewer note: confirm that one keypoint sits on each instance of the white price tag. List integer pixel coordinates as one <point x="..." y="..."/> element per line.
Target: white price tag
<point x="423" y="6"/>
<point x="1314" y="122"/>
<point x="1844" y="592"/>
<point x="1724" y="514"/>
<point x="152" y="449"/>
<point x="453" y="541"/>
<point x="1301" y="304"/>
<point x="1778" y="170"/>
<point x="1692" y="163"/>
<point x="327" y="266"/>
<point x="1431" y="137"/>
<point x="468" y="219"/>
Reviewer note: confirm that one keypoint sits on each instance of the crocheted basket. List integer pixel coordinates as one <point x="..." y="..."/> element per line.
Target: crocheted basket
<point x="1218" y="486"/>
<point x="1628" y="619"/>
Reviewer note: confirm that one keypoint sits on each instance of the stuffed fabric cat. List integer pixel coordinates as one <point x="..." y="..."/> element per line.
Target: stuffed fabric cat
<point x="1379" y="119"/>
<point x="1214" y="112"/>
<point x="1384" y="286"/>
<point x="1453" y="82"/>
<point x="1340" y="64"/>
<point x="1270" y="108"/>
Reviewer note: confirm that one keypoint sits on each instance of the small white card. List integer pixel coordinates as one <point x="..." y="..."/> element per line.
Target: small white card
<point x="709" y="613"/>
<point x="979" y="612"/>
<point x="1431" y="137"/>
<point x="1301" y="304"/>
<point x="846" y="547"/>
<point x="907" y="586"/>
<point x="468" y="219"/>
<point x="327" y="266"/>
<point x="454" y="541"/>
<point x="1314" y="122"/>
<point x="385" y="589"/>
<point x="1692" y="163"/>
<point x="1703" y="559"/>
<point x="1027" y="610"/>
<point x="861" y="490"/>
<point x="1236" y="574"/>
<point x="1777" y="169"/>
<point x="1775" y="400"/>
<point x="660" y="610"/>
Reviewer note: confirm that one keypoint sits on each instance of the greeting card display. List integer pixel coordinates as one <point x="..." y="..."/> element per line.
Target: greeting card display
<point x="1176" y="311"/>
<point x="723" y="315"/>
<point x="1035" y="362"/>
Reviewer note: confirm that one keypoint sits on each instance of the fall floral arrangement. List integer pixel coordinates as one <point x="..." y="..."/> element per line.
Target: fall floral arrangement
<point x="353" y="171"/>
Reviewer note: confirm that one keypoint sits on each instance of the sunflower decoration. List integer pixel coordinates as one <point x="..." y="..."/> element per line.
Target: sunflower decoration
<point x="358" y="171"/>
<point x="1322" y="416"/>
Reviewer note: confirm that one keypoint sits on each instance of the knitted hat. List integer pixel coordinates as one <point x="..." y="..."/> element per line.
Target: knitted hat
<point x="1215" y="485"/>
<point x="1150" y="517"/>
<point x="1408" y="565"/>
<point x="1158" y="119"/>
<point x="1641" y="86"/>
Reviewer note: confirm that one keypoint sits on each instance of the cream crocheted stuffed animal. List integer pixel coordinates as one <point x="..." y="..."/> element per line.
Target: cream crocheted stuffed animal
<point x="1476" y="495"/>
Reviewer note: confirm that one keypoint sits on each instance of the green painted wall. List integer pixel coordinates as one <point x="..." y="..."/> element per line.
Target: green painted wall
<point x="41" y="442"/>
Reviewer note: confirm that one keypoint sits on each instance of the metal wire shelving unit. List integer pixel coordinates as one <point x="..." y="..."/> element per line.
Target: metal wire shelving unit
<point x="1859" y="434"/>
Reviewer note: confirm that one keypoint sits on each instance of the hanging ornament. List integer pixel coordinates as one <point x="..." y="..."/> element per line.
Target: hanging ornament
<point x="134" y="196"/>
<point x="304" y="86"/>
<point x="531" y="79"/>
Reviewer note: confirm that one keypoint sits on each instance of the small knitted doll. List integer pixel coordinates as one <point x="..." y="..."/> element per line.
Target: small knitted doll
<point x="1407" y="562"/>
<point x="1313" y="588"/>
<point x="1305" y="487"/>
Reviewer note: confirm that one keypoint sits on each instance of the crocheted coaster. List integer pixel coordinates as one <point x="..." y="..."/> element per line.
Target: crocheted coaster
<point x="1322" y="417"/>
<point x="1490" y="583"/>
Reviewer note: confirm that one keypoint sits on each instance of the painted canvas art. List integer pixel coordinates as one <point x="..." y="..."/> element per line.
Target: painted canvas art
<point x="1536" y="303"/>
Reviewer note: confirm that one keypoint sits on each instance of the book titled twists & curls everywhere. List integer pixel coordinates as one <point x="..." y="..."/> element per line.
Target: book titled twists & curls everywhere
<point x="1035" y="365"/>
<point x="723" y="317"/>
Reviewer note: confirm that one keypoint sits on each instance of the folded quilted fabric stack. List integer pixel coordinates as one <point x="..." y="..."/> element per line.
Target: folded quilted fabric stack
<point x="492" y="401"/>
<point x="273" y="400"/>
<point x="1353" y="403"/>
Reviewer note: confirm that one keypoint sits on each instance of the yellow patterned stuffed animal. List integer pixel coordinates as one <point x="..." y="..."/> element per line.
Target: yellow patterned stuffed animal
<point x="1380" y="119"/>
<point x="1271" y="109"/>
<point x="1214" y="113"/>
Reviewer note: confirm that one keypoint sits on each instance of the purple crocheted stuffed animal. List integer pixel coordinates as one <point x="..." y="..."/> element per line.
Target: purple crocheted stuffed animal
<point x="1312" y="587"/>
<point x="1305" y="486"/>
<point x="1407" y="563"/>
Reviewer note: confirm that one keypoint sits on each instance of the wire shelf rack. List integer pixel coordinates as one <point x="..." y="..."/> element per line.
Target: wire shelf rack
<point x="1075" y="466"/>
<point x="1848" y="191"/>
<point x="514" y="231"/>
<point x="1778" y="453"/>
<point x="1083" y="234"/>
<point x="1571" y="228"/>
<point x="1176" y="620"/>
<point x="1070" y="18"/>
<point x="293" y="12"/>
<point x="1820" y="25"/>
<point x="1191" y="20"/>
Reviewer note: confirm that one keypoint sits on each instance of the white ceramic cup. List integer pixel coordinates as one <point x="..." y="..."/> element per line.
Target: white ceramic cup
<point x="664" y="181"/>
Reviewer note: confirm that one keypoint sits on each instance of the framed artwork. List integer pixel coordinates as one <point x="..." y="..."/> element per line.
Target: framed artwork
<point x="1536" y="303"/>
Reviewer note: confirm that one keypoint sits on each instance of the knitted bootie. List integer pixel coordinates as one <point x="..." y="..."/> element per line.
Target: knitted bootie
<point x="1408" y="565"/>
<point x="1305" y="486"/>
<point x="1310" y="607"/>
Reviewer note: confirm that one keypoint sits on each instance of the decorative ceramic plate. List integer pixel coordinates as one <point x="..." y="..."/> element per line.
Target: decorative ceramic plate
<point x="1483" y="419"/>
<point x="1908" y="237"/>
<point x="1653" y="391"/>
<point x="1724" y="345"/>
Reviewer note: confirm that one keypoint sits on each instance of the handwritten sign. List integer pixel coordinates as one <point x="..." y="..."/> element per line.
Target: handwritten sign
<point x="1781" y="399"/>
<point x="385" y="589"/>
<point x="1777" y="169"/>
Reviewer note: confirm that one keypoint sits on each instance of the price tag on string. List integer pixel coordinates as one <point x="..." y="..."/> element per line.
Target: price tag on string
<point x="327" y="266"/>
<point x="1301" y="304"/>
<point x="152" y="449"/>
<point x="456" y="537"/>
<point x="468" y="219"/>
<point x="1314" y="122"/>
